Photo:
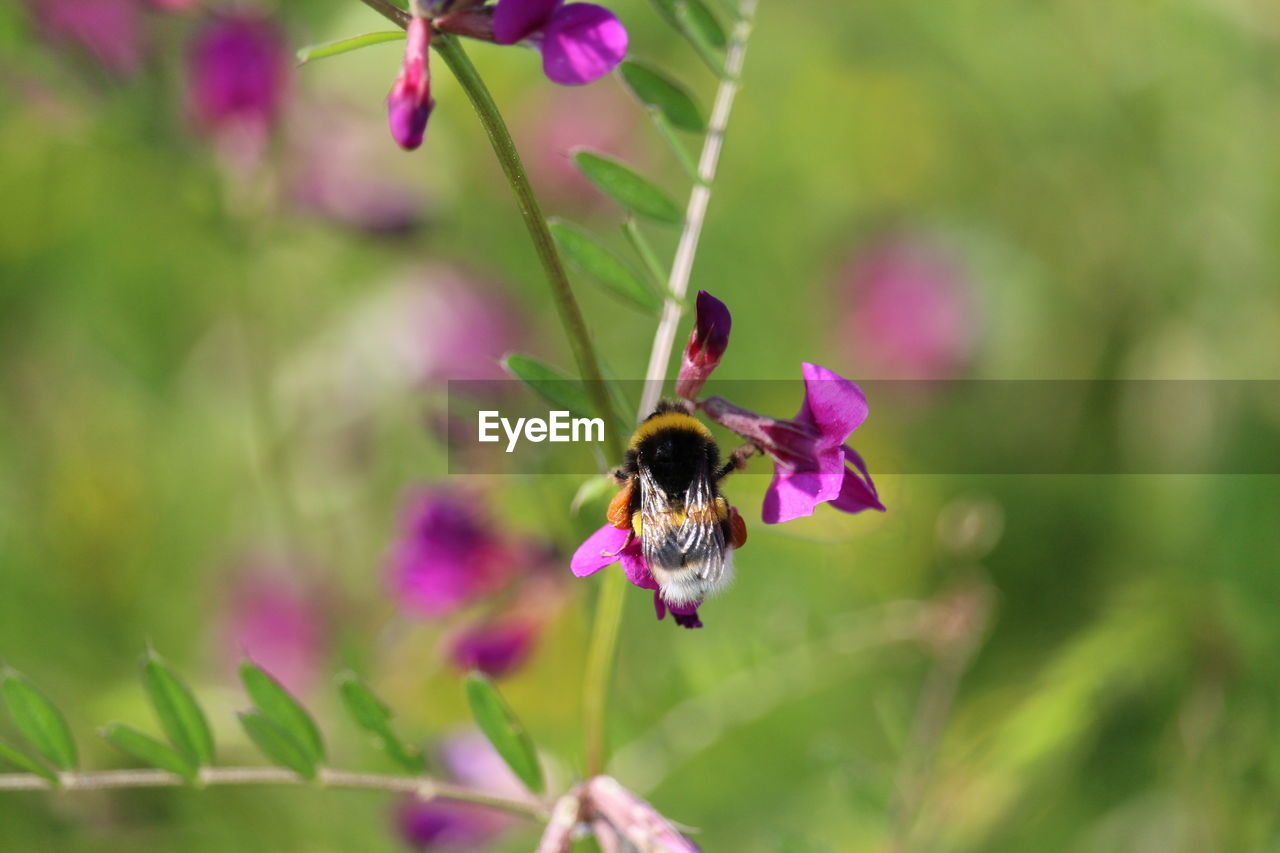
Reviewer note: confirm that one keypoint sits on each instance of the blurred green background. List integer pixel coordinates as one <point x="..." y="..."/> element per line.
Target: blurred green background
<point x="203" y="369"/>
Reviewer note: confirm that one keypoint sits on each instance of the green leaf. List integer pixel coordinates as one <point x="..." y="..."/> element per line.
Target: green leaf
<point x="699" y="26"/>
<point x="595" y="489"/>
<point x="10" y="754"/>
<point x="280" y="747"/>
<point x="589" y="255"/>
<point x="629" y="189"/>
<point x="313" y="52"/>
<point x="655" y="89"/>
<point x="549" y="383"/>
<point x="148" y="750"/>
<point x="372" y="715"/>
<point x="180" y="716"/>
<point x="39" y="721"/>
<point x="499" y="724"/>
<point x="270" y="697"/>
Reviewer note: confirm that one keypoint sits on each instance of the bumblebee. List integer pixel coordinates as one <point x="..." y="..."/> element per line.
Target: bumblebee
<point x="670" y="499"/>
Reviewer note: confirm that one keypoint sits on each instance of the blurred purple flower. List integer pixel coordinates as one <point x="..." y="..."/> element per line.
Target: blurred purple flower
<point x="410" y="103"/>
<point x="493" y="646"/>
<point x="580" y="42"/>
<point x="447" y="555"/>
<point x="707" y="343"/>
<point x="610" y="545"/>
<point x="173" y="5"/>
<point x="811" y="460"/>
<point x="465" y="325"/>
<point x="909" y="313"/>
<point x="441" y="825"/>
<point x="238" y="72"/>
<point x="273" y="618"/>
<point x="339" y="174"/>
<point x="109" y="30"/>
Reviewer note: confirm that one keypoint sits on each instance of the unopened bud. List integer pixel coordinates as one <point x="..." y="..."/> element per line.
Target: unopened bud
<point x="409" y="104"/>
<point x="707" y="343"/>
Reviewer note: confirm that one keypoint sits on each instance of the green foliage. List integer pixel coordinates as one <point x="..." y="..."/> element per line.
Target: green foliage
<point x="11" y="755"/>
<point x="179" y="713"/>
<point x="698" y="24"/>
<point x="277" y="705"/>
<point x="504" y="730"/>
<point x="38" y="719"/>
<point x="551" y="384"/>
<point x="603" y="266"/>
<point x="315" y="52"/>
<point x="278" y="745"/>
<point x="148" y="750"/>
<point x="657" y="90"/>
<point x="628" y="188"/>
<point x="372" y="714"/>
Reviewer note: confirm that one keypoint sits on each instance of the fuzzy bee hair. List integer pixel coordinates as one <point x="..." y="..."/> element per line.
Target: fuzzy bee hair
<point x="671" y="497"/>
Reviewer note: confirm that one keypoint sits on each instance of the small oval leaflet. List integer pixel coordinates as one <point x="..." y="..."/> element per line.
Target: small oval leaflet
<point x="180" y="716"/>
<point x="500" y="725"/>
<point x="655" y="89"/>
<point x="628" y="188"/>
<point x="585" y="250"/>
<point x="276" y="704"/>
<point x="10" y="754"/>
<point x="38" y="720"/>
<point x="280" y="747"/>
<point x="148" y="750"/>
<point x="373" y="716"/>
<point x="549" y="383"/>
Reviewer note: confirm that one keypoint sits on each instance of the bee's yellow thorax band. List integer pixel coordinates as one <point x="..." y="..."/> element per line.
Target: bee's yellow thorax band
<point x="670" y="420"/>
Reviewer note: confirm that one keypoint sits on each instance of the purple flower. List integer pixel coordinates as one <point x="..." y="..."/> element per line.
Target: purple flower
<point x="812" y="463"/>
<point x="409" y="104"/>
<point x="494" y="647"/>
<point x="580" y="42"/>
<point x="237" y="75"/>
<point x="447" y="554"/>
<point x="444" y="825"/>
<point x="338" y="172"/>
<point x="610" y="545"/>
<point x="908" y="314"/>
<point x="707" y="343"/>
<point x="273" y="618"/>
<point x="109" y="30"/>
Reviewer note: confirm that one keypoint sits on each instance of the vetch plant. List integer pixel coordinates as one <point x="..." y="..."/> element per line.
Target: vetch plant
<point x="670" y="526"/>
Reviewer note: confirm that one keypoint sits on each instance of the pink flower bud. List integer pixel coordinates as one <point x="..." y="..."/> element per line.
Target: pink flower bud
<point x="409" y="104"/>
<point x="633" y="819"/>
<point x="707" y="343"/>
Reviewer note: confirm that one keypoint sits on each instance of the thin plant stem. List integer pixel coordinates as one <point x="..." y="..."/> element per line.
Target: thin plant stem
<point x="608" y="620"/>
<point x="645" y="251"/>
<point x="424" y="788"/>
<point x="696" y="210"/>
<point x="504" y="147"/>
<point x="600" y="657"/>
<point x="390" y="11"/>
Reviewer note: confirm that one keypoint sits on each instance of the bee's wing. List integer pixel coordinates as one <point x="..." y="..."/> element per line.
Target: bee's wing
<point x="683" y="539"/>
<point x="660" y="517"/>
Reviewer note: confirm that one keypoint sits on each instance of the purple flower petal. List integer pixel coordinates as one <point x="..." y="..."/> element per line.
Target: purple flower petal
<point x="583" y="42"/>
<point x="495" y="649"/>
<point x="591" y="555"/>
<point x="857" y="491"/>
<point x="792" y="495"/>
<point x="833" y="405"/>
<point x="516" y="20"/>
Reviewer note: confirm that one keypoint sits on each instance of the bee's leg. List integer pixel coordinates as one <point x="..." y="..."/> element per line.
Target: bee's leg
<point x="620" y="475"/>
<point x="737" y="461"/>
<point x="631" y="537"/>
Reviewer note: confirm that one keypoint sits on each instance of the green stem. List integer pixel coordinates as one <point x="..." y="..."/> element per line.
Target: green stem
<point x="595" y="684"/>
<point x="566" y="304"/>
